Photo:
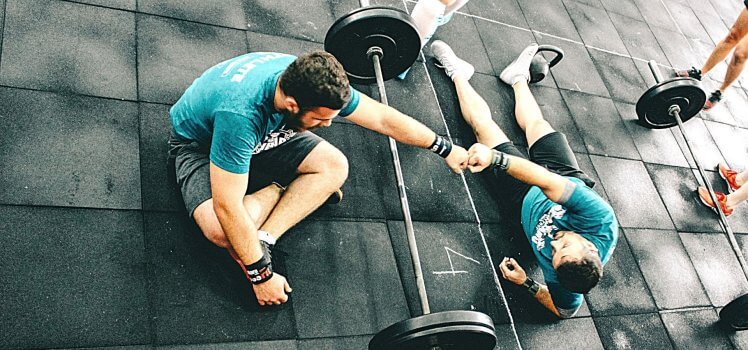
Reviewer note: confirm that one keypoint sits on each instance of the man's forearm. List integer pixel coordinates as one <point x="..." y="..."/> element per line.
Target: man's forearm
<point x="405" y="129"/>
<point x="240" y="231"/>
<point x="544" y="297"/>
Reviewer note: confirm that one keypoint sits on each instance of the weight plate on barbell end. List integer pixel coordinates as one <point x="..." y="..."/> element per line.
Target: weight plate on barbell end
<point x="654" y="105"/>
<point x="735" y="314"/>
<point x="391" y="29"/>
<point x="448" y="330"/>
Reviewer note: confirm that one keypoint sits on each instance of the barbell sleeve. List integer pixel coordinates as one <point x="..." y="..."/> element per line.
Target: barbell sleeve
<point x="655" y="71"/>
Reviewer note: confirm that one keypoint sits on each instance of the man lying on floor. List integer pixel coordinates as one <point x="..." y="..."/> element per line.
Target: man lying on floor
<point x="571" y="229"/>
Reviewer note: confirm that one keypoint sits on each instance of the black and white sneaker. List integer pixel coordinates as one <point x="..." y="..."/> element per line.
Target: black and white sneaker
<point x="713" y="99"/>
<point x="693" y="72"/>
<point x="519" y="69"/>
<point x="448" y="60"/>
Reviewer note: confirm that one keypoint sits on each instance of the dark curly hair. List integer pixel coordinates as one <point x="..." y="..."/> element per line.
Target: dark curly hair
<point x="316" y="79"/>
<point x="580" y="276"/>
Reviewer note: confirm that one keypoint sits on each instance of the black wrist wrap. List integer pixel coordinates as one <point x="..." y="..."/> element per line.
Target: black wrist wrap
<point x="500" y="159"/>
<point x="532" y="286"/>
<point x="261" y="270"/>
<point x="441" y="146"/>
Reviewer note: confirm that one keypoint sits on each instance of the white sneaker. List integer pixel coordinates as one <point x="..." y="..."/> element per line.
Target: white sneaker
<point x="519" y="69"/>
<point x="448" y="60"/>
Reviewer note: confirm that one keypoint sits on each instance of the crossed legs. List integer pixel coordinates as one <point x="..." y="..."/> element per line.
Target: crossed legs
<point x="322" y="172"/>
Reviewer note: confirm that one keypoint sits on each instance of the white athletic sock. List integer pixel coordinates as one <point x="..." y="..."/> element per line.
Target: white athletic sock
<point x="425" y="15"/>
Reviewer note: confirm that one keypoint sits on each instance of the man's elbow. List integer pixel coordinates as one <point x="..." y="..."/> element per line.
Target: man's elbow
<point x="224" y="208"/>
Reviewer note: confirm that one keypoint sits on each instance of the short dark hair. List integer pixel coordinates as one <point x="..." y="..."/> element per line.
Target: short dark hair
<point x="580" y="276"/>
<point x="316" y="79"/>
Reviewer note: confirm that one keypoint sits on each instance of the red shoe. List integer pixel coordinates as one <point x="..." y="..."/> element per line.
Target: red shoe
<point x="706" y="199"/>
<point x="729" y="176"/>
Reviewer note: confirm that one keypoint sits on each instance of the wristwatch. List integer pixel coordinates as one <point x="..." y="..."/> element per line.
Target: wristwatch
<point x="532" y="286"/>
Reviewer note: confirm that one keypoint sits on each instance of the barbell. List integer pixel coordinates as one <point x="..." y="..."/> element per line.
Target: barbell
<point x="374" y="44"/>
<point x="669" y="103"/>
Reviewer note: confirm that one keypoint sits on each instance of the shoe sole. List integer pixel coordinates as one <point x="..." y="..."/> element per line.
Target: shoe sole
<point x="705" y="203"/>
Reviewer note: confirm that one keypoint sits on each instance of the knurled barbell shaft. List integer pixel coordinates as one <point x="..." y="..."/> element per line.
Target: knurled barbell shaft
<point x="375" y="55"/>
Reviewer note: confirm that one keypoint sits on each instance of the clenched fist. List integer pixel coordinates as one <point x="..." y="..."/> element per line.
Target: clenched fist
<point x="457" y="159"/>
<point x="480" y="157"/>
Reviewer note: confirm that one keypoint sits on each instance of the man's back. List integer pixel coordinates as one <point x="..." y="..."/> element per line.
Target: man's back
<point x="243" y="85"/>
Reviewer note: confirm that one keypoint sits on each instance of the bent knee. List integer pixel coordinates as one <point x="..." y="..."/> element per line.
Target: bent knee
<point x="740" y="54"/>
<point x="734" y="37"/>
<point x="338" y="167"/>
<point x="332" y="162"/>
<point x="217" y="237"/>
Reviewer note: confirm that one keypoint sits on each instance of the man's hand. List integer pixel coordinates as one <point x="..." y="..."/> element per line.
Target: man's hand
<point x="480" y="157"/>
<point x="272" y="291"/>
<point x="511" y="271"/>
<point x="457" y="159"/>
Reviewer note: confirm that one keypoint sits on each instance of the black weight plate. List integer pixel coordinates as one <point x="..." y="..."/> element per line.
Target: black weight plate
<point x="393" y="30"/>
<point x="653" y="107"/>
<point x="448" y="330"/>
<point x="735" y="314"/>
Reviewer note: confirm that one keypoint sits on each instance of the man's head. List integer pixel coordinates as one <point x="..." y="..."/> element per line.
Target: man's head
<point x="576" y="261"/>
<point x="315" y="88"/>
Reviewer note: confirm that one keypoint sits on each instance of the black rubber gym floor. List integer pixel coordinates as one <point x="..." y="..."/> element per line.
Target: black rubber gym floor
<point x="96" y="250"/>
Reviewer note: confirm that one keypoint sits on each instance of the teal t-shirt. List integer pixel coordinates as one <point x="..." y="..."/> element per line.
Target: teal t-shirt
<point x="229" y="108"/>
<point x="585" y="213"/>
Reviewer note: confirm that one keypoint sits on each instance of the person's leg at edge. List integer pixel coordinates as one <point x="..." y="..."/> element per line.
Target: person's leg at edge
<point x="737" y="197"/>
<point x="426" y="16"/>
<point x="741" y="194"/>
<point x="322" y="172"/>
<point x="737" y="33"/>
<point x="737" y="63"/>
<point x="477" y="114"/>
<point x="454" y="6"/>
<point x="528" y="114"/>
<point x="742" y="178"/>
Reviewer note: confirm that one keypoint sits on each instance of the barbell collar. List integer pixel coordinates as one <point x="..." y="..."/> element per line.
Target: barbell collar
<point x="673" y="110"/>
<point x="655" y="70"/>
<point x="375" y="50"/>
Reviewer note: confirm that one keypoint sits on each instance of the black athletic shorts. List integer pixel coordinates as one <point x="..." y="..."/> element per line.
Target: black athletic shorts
<point x="551" y="151"/>
<point x="275" y="160"/>
<point x="746" y="3"/>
